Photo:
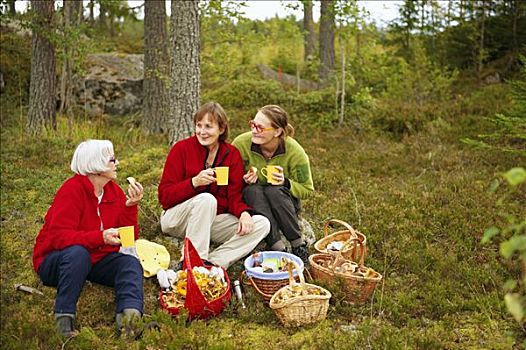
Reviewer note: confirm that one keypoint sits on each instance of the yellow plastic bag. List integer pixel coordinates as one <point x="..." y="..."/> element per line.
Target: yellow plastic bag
<point x="152" y="256"/>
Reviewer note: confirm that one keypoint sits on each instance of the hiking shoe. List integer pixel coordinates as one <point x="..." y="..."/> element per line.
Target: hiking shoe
<point x="302" y="252"/>
<point x="65" y="325"/>
<point x="127" y="323"/>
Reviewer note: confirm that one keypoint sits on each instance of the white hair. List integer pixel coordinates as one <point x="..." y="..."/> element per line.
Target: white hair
<point x="92" y="157"/>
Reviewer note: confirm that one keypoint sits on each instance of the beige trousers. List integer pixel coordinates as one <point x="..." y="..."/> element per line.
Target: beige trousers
<point x="196" y="219"/>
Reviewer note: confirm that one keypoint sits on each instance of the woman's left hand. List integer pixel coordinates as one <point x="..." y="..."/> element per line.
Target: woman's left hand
<point x="279" y="176"/>
<point x="135" y="194"/>
<point x="246" y="224"/>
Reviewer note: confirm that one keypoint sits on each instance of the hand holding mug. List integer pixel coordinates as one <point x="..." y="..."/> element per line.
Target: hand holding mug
<point x="111" y="236"/>
<point x="205" y="177"/>
<point x="274" y="174"/>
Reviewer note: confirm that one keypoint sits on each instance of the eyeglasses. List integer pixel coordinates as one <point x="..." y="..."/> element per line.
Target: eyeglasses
<point x="113" y="160"/>
<point x="258" y="127"/>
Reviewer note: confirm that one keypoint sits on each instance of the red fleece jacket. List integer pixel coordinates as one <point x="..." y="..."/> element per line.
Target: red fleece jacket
<point x="72" y="219"/>
<point x="185" y="160"/>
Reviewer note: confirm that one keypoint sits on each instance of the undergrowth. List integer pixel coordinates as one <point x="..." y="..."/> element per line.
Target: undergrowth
<point x="422" y="200"/>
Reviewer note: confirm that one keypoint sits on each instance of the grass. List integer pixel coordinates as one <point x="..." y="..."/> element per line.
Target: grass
<point x="422" y="201"/>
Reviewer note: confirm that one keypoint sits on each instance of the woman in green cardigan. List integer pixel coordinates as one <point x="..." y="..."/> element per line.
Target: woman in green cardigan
<point x="277" y="197"/>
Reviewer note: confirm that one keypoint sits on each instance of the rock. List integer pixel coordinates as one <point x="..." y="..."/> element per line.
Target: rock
<point x="288" y="79"/>
<point x="492" y="78"/>
<point x="112" y="84"/>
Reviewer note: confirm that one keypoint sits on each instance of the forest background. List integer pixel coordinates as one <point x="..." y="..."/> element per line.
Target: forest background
<point x="416" y="134"/>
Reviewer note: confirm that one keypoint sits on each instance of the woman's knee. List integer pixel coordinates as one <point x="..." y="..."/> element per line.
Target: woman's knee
<point x="132" y="264"/>
<point x="205" y="200"/>
<point x="253" y="190"/>
<point x="277" y="193"/>
<point x="77" y="255"/>
<point x="261" y="225"/>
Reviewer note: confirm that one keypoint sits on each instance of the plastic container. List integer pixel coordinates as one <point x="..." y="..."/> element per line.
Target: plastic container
<point x="251" y="272"/>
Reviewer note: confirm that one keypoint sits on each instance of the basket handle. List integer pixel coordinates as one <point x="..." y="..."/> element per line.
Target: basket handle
<point x="343" y="223"/>
<point x="292" y="281"/>
<point x="254" y="284"/>
<point x="356" y="245"/>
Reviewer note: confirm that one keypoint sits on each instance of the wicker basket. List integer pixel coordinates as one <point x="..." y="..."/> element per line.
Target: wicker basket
<point x="321" y="245"/>
<point x="357" y="288"/>
<point x="302" y="309"/>
<point x="266" y="287"/>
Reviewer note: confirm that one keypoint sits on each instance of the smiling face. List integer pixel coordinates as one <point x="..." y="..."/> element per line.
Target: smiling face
<point x="208" y="131"/>
<point x="263" y="131"/>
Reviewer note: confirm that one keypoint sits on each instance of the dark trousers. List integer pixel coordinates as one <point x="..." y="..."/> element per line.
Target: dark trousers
<point x="69" y="268"/>
<point x="280" y="208"/>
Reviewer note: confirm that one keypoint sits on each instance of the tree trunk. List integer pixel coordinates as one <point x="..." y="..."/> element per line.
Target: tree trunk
<point x="186" y="74"/>
<point x="91" y="7"/>
<point x="515" y="43"/>
<point x="358" y="39"/>
<point x="481" y="43"/>
<point x="326" y="39"/>
<point x="65" y="76"/>
<point x="41" y="113"/>
<point x="342" y="103"/>
<point x="12" y="8"/>
<point x="155" y="103"/>
<point x="102" y="16"/>
<point x="77" y="13"/>
<point x="308" y="31"/>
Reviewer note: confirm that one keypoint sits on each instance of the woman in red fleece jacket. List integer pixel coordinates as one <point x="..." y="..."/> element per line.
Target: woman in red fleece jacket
<point x="195" y="206"/>
<point x="80" y="241"/>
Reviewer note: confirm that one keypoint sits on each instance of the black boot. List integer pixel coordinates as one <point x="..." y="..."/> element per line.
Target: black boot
<point x="126" y="322"/>
<point x="65" y="324"/>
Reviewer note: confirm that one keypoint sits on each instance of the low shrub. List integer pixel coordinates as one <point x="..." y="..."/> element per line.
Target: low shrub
<point x="248" y="94"/>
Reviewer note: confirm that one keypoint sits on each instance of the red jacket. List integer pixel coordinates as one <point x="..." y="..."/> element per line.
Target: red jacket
<point x="185" y="160"/>
<point x="72" y="219"/>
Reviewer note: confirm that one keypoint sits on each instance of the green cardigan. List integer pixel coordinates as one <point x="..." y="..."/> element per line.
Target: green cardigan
<point x="290" y="156"/>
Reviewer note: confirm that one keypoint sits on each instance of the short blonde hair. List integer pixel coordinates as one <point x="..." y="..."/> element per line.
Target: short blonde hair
<point x="92" y="157"/>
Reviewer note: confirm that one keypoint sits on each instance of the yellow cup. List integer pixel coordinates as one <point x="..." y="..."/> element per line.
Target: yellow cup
<point x="221" y="175"/>
<point x="268" y="171"/>
<point x="127" y="236"/>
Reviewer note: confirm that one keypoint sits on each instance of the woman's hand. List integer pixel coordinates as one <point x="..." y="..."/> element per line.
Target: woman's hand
<point x="135" y="194"/>
<point x="111" y="236"/>
<point x="251" y="177"/>
<point x="205" y="177"/>
<point x="246" y="224"/>
<point x="279" y="177"/>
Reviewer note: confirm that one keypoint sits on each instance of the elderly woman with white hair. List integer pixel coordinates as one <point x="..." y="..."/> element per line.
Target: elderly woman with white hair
<point x="79" y="240"/>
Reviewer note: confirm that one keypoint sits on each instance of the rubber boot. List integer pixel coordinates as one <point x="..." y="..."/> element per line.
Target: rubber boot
<point x="126" y="321"/>
<point x="65" y="324"/>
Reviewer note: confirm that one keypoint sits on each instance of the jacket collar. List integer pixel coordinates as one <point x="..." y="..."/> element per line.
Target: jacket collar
<point x="109" y="194"/>
<point x="222" y="152"/>
<point x="280" y="150"/>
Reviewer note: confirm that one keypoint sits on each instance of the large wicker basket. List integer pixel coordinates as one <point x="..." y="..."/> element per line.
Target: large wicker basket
<point x="302" y="309"/>
<point x="321" y="245"/>
<point x="329" y="268"/>
<point x="266" y="287"/>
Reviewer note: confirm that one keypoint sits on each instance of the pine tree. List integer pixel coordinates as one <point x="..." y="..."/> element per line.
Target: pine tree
<point x="42" y="101"/>
<point x="186" y="73"/>
<point x="156" y="69"/>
